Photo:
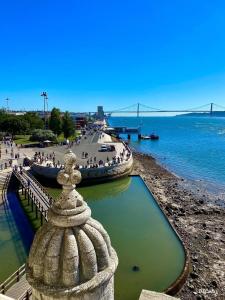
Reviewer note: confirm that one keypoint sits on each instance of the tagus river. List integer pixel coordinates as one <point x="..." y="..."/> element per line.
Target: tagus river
<point x="192" y="147"/>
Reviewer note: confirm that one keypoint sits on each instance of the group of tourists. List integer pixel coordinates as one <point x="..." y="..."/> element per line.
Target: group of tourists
<point x="8" y="153"/>
<point x="18" y="168"/>
<point x="49" y="159"/>
<point x="88" y="159"/>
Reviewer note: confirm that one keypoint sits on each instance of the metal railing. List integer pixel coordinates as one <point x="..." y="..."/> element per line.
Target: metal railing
<point x="38" y="184"/>
<point x="15" y="277"/>
<point x="34" y="200"/>
<point x="5" y="187"/>
<point x="20" y="272"/>
<point x="26" y="295"/>
<point x="35" y="184"/>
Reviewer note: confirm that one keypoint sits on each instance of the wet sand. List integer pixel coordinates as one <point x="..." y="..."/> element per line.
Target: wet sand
<point x="199" y="219"/>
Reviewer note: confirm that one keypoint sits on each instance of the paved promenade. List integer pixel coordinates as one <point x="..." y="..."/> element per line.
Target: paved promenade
<point x="90" y="144"/>
<point x="8" y="153"/>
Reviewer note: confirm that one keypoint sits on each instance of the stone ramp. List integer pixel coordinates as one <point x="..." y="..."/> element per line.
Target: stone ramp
<point x="19" y="289"/>
<point x="3" y="176"/>
<point x="149" y="295"/>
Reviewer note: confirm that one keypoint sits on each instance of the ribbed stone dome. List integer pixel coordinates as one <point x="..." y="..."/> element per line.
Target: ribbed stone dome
<point x="71" y="253"/>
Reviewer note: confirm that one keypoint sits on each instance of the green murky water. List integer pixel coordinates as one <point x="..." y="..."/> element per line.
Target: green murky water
<point x="12" y="250"/>
<point x="139" y="232"/>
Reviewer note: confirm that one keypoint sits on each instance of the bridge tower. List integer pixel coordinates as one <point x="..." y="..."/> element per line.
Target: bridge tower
<point x="138" y="109"/>
<point x="211" y="109"/>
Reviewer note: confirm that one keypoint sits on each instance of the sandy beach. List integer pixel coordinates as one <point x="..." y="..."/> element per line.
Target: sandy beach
<point x="199" y="219"/>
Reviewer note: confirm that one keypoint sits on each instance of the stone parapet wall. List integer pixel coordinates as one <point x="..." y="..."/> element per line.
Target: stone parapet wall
<point x="104" y="292"/>
<point x="150" y="295"/>
<point x="113" y="171"/>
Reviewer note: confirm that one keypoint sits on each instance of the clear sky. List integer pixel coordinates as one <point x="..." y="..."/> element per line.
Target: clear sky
<point x="165" y="54"/>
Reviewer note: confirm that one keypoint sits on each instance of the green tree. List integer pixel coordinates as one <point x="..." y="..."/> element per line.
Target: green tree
<point x="55" y="121"/>
<point x="34" y="120"/>
<point x="3" y="116"/>
<point x="3" y="113"/>
<point x="40" y="135"/>
<point x="15" y="125"/>
<point x="67" y="125"/>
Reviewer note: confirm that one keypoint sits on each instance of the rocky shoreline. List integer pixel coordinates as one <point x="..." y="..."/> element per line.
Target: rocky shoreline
<point x="199" y="219"/>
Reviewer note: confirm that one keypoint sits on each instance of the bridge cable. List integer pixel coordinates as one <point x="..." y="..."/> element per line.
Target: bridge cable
<point x="124" y="108"/>
<point x="152" y="108"/>
<point x="217" y="105"/>
<point x="199" y="107"/>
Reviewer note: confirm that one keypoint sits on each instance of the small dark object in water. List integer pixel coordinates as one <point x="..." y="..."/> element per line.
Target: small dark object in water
<point x="135" y="268"/>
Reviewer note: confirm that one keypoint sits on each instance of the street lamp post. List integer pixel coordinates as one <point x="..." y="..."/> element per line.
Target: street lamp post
<point x="45" y="96"/>
<point x="7" y="104"/>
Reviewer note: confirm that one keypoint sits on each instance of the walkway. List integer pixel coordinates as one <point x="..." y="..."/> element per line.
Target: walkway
<point x="35" y="190"/>
<point x="16" y="286"/>
<point x="90" y="143"/>
<point x="3" y="176"/>
<point x="20" y="290"/>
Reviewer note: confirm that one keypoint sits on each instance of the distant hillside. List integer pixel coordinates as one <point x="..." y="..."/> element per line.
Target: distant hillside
<point x="214" y="114"/>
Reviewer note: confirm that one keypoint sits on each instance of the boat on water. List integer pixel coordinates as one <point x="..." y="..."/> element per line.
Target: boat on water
<point x="150" y="137"/>
<point x="154" y="137"/>
<point x="145" y="137"/>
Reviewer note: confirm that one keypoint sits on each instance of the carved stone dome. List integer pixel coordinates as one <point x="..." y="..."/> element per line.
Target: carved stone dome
<point x="71" y="254"/>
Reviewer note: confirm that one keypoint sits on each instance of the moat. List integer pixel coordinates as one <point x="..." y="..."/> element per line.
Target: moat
<point x="139" y="231"/>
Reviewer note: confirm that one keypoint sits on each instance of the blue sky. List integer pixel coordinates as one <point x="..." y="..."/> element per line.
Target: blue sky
<point x="165" y="54"/>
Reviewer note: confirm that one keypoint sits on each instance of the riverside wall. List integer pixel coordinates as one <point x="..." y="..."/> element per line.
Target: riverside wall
<point x="89" y="175"/>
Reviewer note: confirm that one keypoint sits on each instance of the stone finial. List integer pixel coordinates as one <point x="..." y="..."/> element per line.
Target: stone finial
<point x="69" y="176"/>
<point x="71" y="256"/>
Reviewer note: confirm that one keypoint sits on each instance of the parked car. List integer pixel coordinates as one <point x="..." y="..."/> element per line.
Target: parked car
<point x="107" y="148"/>
<point x="104" y="148"/>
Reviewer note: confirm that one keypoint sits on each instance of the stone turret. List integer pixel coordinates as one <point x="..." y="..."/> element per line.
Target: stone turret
<point x="71" y="256"/>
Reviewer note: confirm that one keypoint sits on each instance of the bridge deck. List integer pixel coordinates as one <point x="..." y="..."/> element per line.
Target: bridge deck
<point x="35" y="189"/>
<point x="19" y="289"/>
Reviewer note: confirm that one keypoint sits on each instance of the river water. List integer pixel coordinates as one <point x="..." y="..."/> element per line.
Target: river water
<point x="191" y="147"/>
<point x="16" y="236"/>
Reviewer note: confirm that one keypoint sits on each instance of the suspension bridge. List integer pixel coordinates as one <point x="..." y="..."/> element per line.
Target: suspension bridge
<point x="139" y="108"/>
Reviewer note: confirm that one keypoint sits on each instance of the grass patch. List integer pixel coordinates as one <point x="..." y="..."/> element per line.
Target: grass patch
<point x="61" y="138"/>
<point x="31" y="215"/>
<point x="23" y="139"/>
<point x="53" y="192"/>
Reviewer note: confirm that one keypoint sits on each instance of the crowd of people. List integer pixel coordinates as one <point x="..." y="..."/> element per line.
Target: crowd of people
<point x="8" y="153"/>
<point x="49" y="159"/>
<point x="11" y="152"/>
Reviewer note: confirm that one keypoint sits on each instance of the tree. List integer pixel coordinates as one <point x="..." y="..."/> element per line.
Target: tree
<point x="34" y="120"/>
<point x="40" y="135"/>
<point x="55" y="121"/>
<point x="3" y="116"/>
<point x="67" y="125"/>
<point x="15" y="125"/>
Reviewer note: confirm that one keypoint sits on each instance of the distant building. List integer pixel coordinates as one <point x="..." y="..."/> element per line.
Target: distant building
<point x="16" y="113"/>
<point x="80" y="119"/>
<point x="41" y="113"/>
<point x="100" y="113"/>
